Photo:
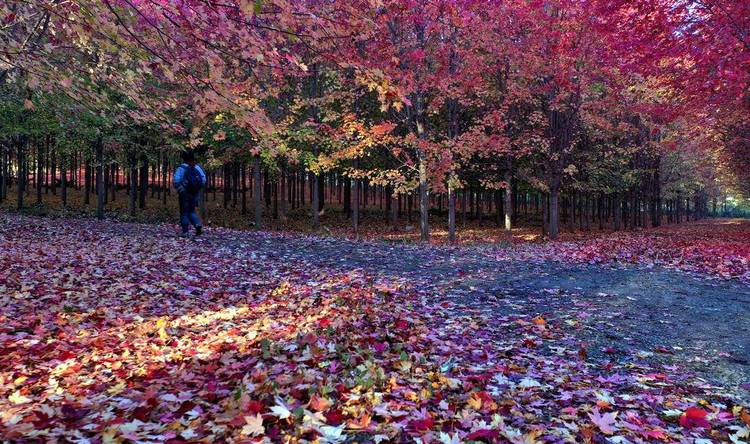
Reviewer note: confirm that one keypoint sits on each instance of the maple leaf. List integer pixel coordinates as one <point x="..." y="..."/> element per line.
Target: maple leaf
<point x="421" y="425"/>
<point x="18" y="398"/>
<point x="319" y="403"/>
<point x="695" y="417"/>
<point x="253" y="426"/>
<point x="280" y="409"/>
<point x="604" y="422"/>
<point x="332" y="435"/>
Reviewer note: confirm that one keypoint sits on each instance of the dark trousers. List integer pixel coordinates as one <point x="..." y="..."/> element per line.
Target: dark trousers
<point x="188" y="216"/>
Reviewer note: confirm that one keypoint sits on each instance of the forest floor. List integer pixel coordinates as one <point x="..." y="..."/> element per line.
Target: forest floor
<point x="126" y="332"/>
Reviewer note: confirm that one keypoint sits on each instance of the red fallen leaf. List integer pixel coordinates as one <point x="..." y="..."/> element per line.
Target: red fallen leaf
<point x="323" y="323"/>
<point x="401" y="324"/>
<point x="334" y="417"/>
<point x="421" y="425"/>
<point x="65" y="355"/>
<point x="254" y="407"/>
<point x="185" y="407"/>
<point x="489" y="435"/>
<point x="655" y="434"/>
<point x="142" y="413"/>
<point x="695" y="417"/>
<point x="529" y="343"/>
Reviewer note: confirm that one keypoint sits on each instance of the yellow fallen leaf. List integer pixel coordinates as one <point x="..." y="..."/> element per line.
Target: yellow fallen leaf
<point x="18" y="398"/>
<point x="20" y="380"/>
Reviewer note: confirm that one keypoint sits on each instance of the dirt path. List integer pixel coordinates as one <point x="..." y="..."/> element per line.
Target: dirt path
<point x="619" y="313"/>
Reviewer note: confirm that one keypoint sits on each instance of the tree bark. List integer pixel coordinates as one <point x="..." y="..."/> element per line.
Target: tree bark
<point x="143" y="182"/>
<point x="451" y="214"/>
<point x="133" y="184"/>
<point x="64" y="182"/>
<point x="554" y="213"/>
<point x="424" y="224"/>
<point x="256" y="194"/>
<point x="100" y="191"/>
<point x="21" y="147"/>
<point x="355" y="207"/>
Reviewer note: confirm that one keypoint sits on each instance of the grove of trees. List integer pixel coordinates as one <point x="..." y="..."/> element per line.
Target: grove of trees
<point x="577" y="113"/>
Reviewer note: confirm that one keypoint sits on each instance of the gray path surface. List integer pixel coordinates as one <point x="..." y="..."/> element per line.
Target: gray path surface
<point x="664" y="315"/>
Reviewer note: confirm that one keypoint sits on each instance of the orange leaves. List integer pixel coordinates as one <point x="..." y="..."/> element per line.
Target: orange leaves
<point x="318" y="403"/>
<point x="481" y="401"/>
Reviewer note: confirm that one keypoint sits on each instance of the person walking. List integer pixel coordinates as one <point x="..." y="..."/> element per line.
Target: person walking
<point x="189" y="180"/>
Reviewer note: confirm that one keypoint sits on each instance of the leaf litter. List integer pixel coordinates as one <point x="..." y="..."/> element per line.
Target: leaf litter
<point x="123" y="333"/>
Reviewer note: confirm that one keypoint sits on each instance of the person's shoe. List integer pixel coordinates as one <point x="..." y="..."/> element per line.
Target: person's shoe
<point x="198" y="230"/>
<point x="184" y="234"/>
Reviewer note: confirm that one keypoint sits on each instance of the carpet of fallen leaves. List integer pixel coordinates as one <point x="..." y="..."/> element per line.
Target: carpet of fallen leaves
<point x="718" y="248"/>
<point x="124" y="333"/>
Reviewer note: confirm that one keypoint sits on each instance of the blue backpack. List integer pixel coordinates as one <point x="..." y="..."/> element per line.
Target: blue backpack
<point x="193" y="180"/>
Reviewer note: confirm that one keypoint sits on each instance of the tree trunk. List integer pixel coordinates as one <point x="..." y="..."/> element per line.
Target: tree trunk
<point x="39" y="179"/>
<point x="86" y="182"/>
<point x="617" y="216"/>
<point x="133" y="184"/>
<point x="424" y="224"/>
<point x="3" y="174"/>
<point x="315" y="198"/>
<point x="53" y="172"/>
<point x="100" y="191"/>
<point x="355" y="206"/>
<point x="508" y="204"/>
<point x="243" y="189"/>
<point x="64" y="182"/>
<point x="554" y="213"/>
<point x="143" y="182"/>
<point x="21" y="146"/>
<point x="451" y="214"/>
<point x="256" y="193"/>
<point x="395" y="204"/>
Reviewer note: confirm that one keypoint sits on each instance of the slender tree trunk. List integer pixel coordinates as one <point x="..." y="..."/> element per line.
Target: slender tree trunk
<point x="39" y="179"/>
<point x="3" y="174"/>
<point x="283" y="186"/>
<point x="315" y="200"/>
<point x="355" y="206"/>
<point x="256" y="193"/>
<point x="133" y="184"/>
<point x="508" y="204"/>
<point x="243" y="189"/>
<point x="617" y="214"/>
<point x="424" y="203"/>
<point x="143" y="182"/>
<point x="451" y="214"/>
<point x="86" y="182"/>
<point x="348" y="198"/>
<point x="21" y="146"/>
<point x="100" y="191"/>
<point x="554" y="212"/>
<point x="64" y="182"/>
<point x="395" y="204"/>
<point x="53" y="171"/>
